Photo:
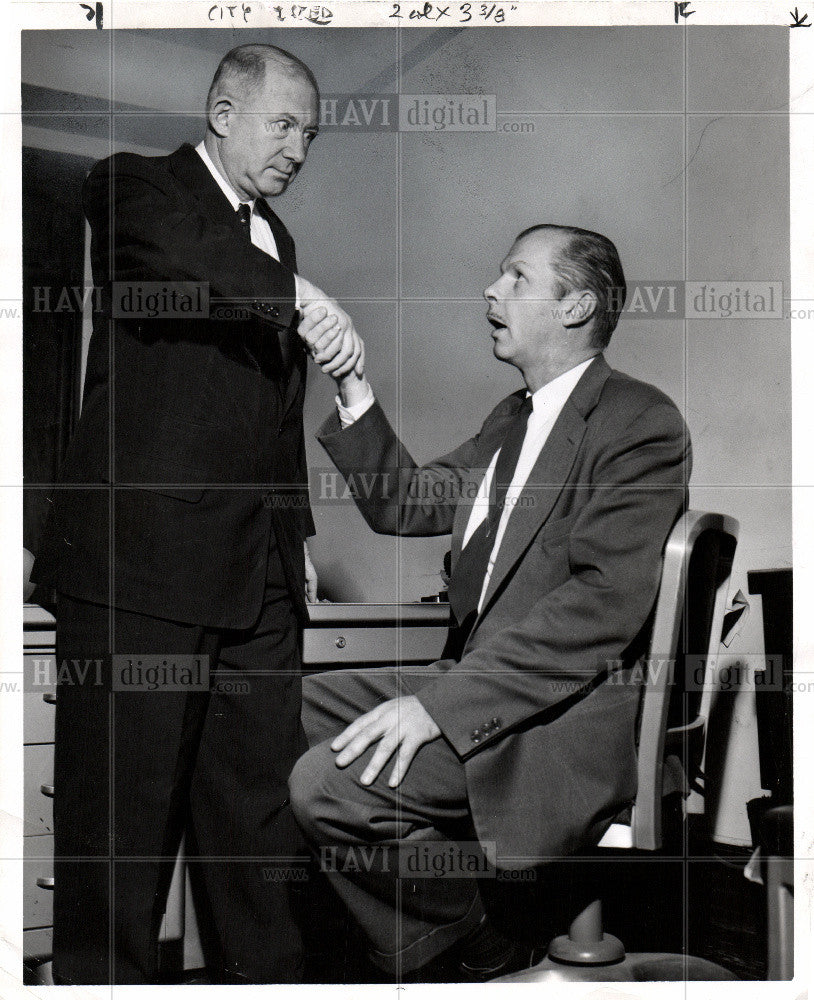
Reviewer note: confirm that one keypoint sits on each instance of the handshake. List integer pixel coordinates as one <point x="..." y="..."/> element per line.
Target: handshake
<point x="332" y="341"/>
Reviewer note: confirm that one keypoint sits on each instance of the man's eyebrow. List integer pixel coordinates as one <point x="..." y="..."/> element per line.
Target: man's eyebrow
<point x="291" y="116"/>
<point x="506" y="263"/>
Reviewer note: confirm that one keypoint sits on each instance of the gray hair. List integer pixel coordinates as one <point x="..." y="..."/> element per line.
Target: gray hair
<point x="245" y="67"/>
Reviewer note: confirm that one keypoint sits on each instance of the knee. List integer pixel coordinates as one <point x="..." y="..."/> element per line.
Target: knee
<point x="307" y="789"/>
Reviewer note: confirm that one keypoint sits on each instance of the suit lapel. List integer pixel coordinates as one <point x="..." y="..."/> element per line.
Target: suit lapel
<point x="549" y="474"/>
<point x="193" y="173"/>
<point x="462" y="514"/>
<point x="282" y="237"/>
<point x="288" y="258"/>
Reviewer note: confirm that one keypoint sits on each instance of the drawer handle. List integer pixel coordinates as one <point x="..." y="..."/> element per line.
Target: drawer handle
<point x="45" y="883"/>
<point x="50" y="698"/>
<point x="47" y="790"/>
<point x="340" y="642"/>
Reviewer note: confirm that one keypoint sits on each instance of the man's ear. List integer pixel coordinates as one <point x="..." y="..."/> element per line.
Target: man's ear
<point x="578" y="307"/>
<point x="221" y="114"/>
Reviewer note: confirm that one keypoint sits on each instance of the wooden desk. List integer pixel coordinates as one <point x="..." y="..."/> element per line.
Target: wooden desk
<point x="345" y="635"/>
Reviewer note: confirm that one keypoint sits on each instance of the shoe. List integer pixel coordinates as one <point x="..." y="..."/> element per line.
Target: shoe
<point x="486" y="954"/>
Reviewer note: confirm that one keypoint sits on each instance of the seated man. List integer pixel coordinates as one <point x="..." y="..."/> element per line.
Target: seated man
<point x="523" y="736"/>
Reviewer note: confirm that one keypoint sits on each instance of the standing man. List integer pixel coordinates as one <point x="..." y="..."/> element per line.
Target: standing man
<point x="522" y="738"/>
<point x="177" y="542"/>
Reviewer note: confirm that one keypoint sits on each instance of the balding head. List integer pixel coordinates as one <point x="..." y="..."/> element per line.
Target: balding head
<point x="242" y="72"/>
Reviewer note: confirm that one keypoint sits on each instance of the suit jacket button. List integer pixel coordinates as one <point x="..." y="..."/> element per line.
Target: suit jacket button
<point x="274" y="311"/>
<point x="476" y="736"/>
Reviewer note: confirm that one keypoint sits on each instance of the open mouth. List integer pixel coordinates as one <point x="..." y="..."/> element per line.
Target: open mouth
<point x="496" y="323"/>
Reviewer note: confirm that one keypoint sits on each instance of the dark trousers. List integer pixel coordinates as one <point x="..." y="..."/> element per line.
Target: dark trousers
<point x="135" y="767"/>
<point x="394" y="855"/>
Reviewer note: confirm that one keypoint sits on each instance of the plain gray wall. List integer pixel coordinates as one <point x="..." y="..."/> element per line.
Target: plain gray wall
<point x="464" y="196"/>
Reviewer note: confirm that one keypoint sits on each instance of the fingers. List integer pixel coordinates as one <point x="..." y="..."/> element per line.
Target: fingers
<point x="320" y="329"/>
<point x="349" y="733"/>
<point x="331" y="338"/>
<point x="401" y="724"/>
<point x="358" y="745"/>
<point x="359" y="735"/>
<point x="345" y="357"/>
<point x="332" y="355"/>
<point x="315" y="325"/>
<point x="408" y="749"/>
<point x="384" y="751"/>
<point x="311" y="305"/>
<point x="336" y="350"/>
<point x="328" y="340"/>
<point x="352" y="359"/>
<point x="359" y="367"/>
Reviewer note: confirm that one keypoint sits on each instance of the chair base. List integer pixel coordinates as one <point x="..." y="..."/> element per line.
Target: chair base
<point x="600" y="949"/>
<point x="642" y="967"/>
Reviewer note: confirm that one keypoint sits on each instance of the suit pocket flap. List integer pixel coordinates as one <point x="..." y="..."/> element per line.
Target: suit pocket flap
<point x="168" y="480"/>
<point x="190" y="494"/>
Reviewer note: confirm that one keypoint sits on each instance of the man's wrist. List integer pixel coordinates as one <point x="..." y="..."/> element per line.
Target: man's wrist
<point x="349" y="413"/>
<point x="354" y="390"/>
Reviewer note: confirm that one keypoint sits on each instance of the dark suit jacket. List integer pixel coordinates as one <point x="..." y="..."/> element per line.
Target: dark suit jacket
<point x="547" y="740"/>
<point x="190" y="446"/>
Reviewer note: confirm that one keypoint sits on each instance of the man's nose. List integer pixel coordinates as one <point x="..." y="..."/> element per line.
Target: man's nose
<point x="296" y="148"/>
<point x="490" y="294"/>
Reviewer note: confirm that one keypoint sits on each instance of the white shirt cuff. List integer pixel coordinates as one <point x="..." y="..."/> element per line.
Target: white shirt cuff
<point x="297" y="295"/>
<point x="350" y="414"/>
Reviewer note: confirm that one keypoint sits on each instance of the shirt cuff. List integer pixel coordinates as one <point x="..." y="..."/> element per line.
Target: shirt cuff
<point x="350" y="414"/>
<point x="297" y="295"/>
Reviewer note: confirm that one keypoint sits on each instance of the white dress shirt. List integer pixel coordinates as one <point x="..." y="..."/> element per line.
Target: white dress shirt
<point x="261" y="235"/>
<point x="547" y="403"/>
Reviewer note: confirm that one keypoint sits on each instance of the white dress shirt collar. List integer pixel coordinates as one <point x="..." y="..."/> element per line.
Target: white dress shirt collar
<point x="553" y="394"/>
<point x="234" y="198"/>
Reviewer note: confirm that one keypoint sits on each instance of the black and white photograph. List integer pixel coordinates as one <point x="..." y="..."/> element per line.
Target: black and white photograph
<point x="399" y="466"/>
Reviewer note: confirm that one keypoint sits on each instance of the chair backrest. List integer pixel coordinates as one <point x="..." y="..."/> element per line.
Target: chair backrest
<point x="687" y="626"/>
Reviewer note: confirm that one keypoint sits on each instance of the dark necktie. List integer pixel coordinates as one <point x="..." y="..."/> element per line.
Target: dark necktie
<point x="244" y="216"/>
<point x="467" y="578"/>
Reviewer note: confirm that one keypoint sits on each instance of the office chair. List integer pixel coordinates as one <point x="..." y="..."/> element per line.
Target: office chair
<point x="688" y="620"/>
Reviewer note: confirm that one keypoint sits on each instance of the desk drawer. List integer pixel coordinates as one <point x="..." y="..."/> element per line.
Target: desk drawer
<point x="39" y="698"/>
<point x="388" y="644"/>
<point x="38" y="881"/>
<point x="39" y="789"/>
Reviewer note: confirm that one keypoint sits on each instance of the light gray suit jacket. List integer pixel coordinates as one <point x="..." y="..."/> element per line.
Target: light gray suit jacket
<point x="540" y="706"/>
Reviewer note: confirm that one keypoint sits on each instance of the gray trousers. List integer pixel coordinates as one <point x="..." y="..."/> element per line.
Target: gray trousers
<point x="382" y="848"/>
